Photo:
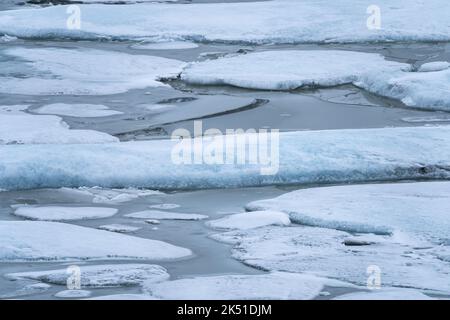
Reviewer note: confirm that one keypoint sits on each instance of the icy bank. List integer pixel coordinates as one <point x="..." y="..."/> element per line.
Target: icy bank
<point x="56" y="71"/>
<point x="293" y="69"/>
<point x="279" y="21"/>
<point x="54" y="241"/>
<point x="304" y="157"/>
<point x="417" y="208"/>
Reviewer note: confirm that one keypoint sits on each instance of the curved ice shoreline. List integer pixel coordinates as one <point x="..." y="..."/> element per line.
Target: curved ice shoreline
<point x="330" y="156"/>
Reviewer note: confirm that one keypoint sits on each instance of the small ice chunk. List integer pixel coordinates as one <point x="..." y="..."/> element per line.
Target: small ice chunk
<point x="165" y="215"/>
<point x="77" y="110"/>
<point x="54" y="241"/>
<point x="152" y="221"/>
<point x="73" y="294"/>
<point x="249" y="220"/>
<point x="100" y="276"/>
<point x="121" y="228"/>
<point x="434" y="66"/>
<point x="58" y="213"/>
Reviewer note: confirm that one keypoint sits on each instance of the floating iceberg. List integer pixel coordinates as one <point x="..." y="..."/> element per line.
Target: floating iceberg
<point x="420" y="208"/>
<point x="276" y="286"/>
<point x="165" y="215"/>
<point x="19" y="127"/>
<point x="111" y="196"/>
<point x="54" y="241"/>
<point x="77" y="110"/>
<point x="249" y="220"/>
<point x="292" y="69"/>
<point x="434" y="66"/>
<point x="100" y="276"/>
<point x="279" y="21"/>
<point x="58" y="213"/>
<point x="330" y="156"/>
<point x="121" y="228"/>
<point x="56" y="71"/>
<point x="323" y="252"/>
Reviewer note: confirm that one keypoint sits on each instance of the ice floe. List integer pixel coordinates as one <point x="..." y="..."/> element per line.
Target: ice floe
<point x="171" y="45"/>
<point x="121" y="228"/>
<point x="73" y="294"/>
<point x="19" y="127"/>
<point x="386" y="294"/>
<point x="292" y="69"/>
<point x="112" y="196"/>
<point x="276" y="285"/>
<point x="56" y="71"/>
<point x="54" y="241"/>
<point x="249" y="220"/>
<point x="328" y="156"/>
<point x="279" y="21"/>
<point x="165" y="215"/>
<point x="165" y="206"/>
<point x="77" y="110"/>
<point x="419" y="208"/>
<point x="323" y="252"/>
<point x="99" y="276"/>
<point x="434" y="66"/>
<point x="28" y="289"/>
<point x="58" y="213"/>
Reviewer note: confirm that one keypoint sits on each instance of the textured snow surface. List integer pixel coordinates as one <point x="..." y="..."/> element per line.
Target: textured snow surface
<point x="54" y="241"/>
<point x="19" y="127"/>
<point x="100" y="276"/>
<point x="279" y="21"/>
<point x="323" y="252"/>
<point x="56" y="71"/>
<point x="304" y="157"/>
<point x="249" y="220"/>
<point x="58" y="213"/>
<point x="421" y="208"/>
<point x="165" y="215"/>
<point x="277" y="286"/>
<point x="77" y="110"/>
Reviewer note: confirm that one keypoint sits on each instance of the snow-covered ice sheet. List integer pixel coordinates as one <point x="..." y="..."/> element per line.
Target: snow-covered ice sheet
<point x="249" y="220"/>
<point x="420" y="209"/>
<point x="279" y="21"/>
<point x="386" y="294"/>
<point x="292" y="69"/>
<point x="111" y="196"/>
<point x="77" y="110"/>
<point x="323" y="252"/>
<point x="58" y="213"/>
<point x="276" y="285"/>
<point x="328" y="156"/>
<point x="19" y="127"/>
<point x="54" y="241"/>
<point x="121" y="228"/>
<point x="56" y="71"/>
<point x="434" y="66"/>
<point x="165" y="215"/>
<point x="100" y="276"/>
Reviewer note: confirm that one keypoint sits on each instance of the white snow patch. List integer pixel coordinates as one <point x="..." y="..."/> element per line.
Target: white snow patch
<point x="58" y="213"/>
<point x="56" y="71"/>
<point x="434" y="66"/>
<point x="19" y="127"/>
<point x="165" y="215"/>
<point x="121" y="228"/>
<point x="77" y="110"/>
<point x="100" y="276"/>
<point x="421" y="208"/>
<point x="249" y="220"/>
<point x="276" y="286"/>
<point x="54" y="241"/>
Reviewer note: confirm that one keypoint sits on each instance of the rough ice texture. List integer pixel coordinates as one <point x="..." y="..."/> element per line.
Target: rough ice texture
<point x="420" y="208"/>
<point x="58" y="213"/>
<point x="292" y="69"/>
<point x="99" y="276"/>
<point x="279" y="21"/>
<point x="121" y="228"/>
<point x="323" y="252"/>
<point x="77" y="110"/>
<point x="19" y="127"/>
<point x="386" y="294"/>
<point x="73" y="294"/>
<point x="165" y="215"/>
<point x="54" y="241"/>
<point x="434" y="66"/>
<point x="329" y="156"/>
<point x="249" y="220"/>
<point x="276" y="286"/>
<point x="56" y="71"/>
